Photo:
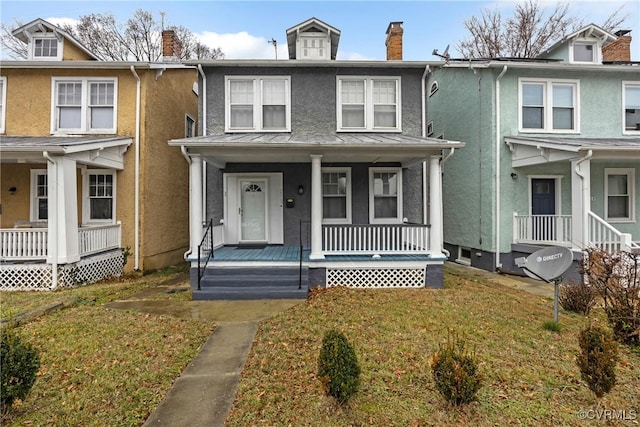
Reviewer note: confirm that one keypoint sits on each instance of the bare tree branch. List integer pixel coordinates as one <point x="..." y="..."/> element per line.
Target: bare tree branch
<point x="12" y="47"/>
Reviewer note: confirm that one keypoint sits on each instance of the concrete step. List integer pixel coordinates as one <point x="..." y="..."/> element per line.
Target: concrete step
<point x="249" y="293"/>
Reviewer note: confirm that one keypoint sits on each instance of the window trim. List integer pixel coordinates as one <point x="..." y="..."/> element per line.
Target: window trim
<point x="189" y="126"/>
<point x="348" y="218"/>
<point x="314" y="36"/>
<point x="630" y="173"/>
<point x="45" y="36"/>
<point x="625" y="84"/>
<point x="3" y="103"/>
<point x="399" y="213"/>
<point x="547" y="106"/>
<point x="257" y="103"/>
<point x="86" y="199"/>
<point x="368" y="103"/>
<point x="33" y="196"/>
<point x="597" y="57"/>
<point x="84" y="107"/>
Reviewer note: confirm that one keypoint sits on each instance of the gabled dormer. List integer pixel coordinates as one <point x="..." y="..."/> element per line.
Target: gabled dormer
<point x="581" y="47"/>
<point x="313" y="40"/>
<point x="47" y="42"/>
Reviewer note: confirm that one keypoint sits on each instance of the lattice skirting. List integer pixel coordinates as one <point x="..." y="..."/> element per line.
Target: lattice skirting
<point x="39" y="277"/>
<point x="366" y="278"/>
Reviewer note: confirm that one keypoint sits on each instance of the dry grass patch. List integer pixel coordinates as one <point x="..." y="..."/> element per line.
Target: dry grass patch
<point x="530" y="373"/>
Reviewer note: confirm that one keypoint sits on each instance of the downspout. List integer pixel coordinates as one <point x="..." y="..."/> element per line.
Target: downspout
<point x="585" y="197"/>
<point x="183" y="150"/>
<point x="425" y="190"/>
<point x="136" y="202"/>
<point x="498" y="138"/>
<point x="53" y="228"/>
<point x="442" y="162"/>
<point x="203" y="96"/>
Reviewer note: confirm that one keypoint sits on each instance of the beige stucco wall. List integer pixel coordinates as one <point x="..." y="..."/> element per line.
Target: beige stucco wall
<point x="71" y="52"/>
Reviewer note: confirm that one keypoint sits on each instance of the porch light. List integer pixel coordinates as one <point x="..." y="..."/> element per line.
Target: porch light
<point x="13" y="190"/>
<point x="301" y="189"/>
<point x="514" y="175"/>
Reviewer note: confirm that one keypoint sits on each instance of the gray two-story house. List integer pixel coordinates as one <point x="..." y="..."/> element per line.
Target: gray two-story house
<point x="313" y="170"/>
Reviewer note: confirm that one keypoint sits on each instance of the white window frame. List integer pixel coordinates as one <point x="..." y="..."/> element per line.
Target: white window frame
<point x="189" y="126"/>
<point x="368" y="104"/>
<point x="3" y="103"/>
<point x="86" y="199"/>
<point x="547" y="106"/>
<point x="597" y="57"/>
<point x="33" y="197"/>
<point x="625" y="85"/>
<point x="85" y="110"/>
<point x="347" y="219"/>
<point x="257" y="103"/>
<point x="398" y="218"/>
<point x="312" y="37"/>
<point x="631" y="179"/>
<point x="45" y="36"/>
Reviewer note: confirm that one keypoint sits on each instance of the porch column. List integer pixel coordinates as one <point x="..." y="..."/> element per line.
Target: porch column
<point x="316" y="207"/>
<point x="62" y="210"/>
<point x="195" y="202"/>
<point x="580" y="201"/>
<point x="435" y="206"/>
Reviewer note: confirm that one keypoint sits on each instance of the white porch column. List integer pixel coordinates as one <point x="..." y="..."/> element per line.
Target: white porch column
<point x="195" y="202"/>
<point x="62" y="196"/>
<point x="435" y="206"/>
<point x="580" y="201"/>
<point x="316" y="207"/>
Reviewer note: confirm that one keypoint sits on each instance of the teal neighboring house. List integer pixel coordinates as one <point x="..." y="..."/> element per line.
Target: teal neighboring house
<point x="552" y="152"/>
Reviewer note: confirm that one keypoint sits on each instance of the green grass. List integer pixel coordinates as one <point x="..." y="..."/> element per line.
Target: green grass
<point x="531" y="377"/>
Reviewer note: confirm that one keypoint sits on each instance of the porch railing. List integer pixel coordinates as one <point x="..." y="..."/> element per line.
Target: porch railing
<point x="92" y="240"/>
<point x="205" y="250"/>
<point x="603" y="235"/>
<point x="375" y="239"/>
<point x="549" y="229"/>
<point x="23" y="243"/>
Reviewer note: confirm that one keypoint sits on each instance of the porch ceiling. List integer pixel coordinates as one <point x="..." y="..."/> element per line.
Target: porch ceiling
<point x="528" y="151"/>
<point x="107" y="152"/>
<point x="335" y="148"/>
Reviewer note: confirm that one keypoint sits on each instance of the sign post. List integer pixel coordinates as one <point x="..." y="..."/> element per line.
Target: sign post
<point x="548" y="264"/>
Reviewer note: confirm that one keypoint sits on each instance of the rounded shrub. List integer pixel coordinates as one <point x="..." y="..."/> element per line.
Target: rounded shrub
<point x="455" y="371"/>
<point x="20" y="362"/>
<point x="597" y="359"/>
<point x="338" y="367"/>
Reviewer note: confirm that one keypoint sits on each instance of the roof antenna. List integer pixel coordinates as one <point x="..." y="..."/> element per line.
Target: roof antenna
<point x="274" y="42"/>
<point x="444" y="55"/>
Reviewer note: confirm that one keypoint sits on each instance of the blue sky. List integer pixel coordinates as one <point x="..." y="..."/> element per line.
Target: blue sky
<point x="242" y="28"/>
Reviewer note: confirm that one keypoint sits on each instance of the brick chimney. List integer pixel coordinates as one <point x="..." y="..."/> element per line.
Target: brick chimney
<point x="620" y="49"/>
<point x="170" y="46"/>
<point x="394" y="41"/>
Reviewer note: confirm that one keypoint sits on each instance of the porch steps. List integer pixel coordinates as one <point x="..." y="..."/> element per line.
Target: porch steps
<point x="250" y="283"/>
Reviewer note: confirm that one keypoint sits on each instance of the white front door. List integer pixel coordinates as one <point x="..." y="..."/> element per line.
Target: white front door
<point x="253" y="210"/>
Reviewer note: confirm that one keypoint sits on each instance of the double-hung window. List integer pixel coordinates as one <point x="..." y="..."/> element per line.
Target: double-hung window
<point x="385" y="195"/>
<point x="336" y="195"/>
<point x="84" y="105"/>
<point x="3" y="101"/>
<point x="549" y="106"/>
<point x="631" y="106"/>
<point x="258" y="104"/>
<point x="619" y="194"/>
<point x="99" y="196"/>
<point x="368" y="104"/>
<point x="39" y="195"/>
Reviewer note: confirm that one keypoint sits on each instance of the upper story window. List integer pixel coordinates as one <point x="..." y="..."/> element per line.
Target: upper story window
<point x="585" y="52"/>
<point x="336" y="195"/>
<point x="3" y="102"/>
<point x="619" y="194"/>
<point x="45" y="48"/>
<point x="259" y="104"/>
<point x="368" y="104"/>
<point x="385" y="195"/>
<point x="99" y="196"/>
<point x="189" y="126"/>
<point x="39" y="195"/>
<point x="84" y="105"/>
<point x="549" y="106"/>
<point x="631" y="106"/>
<point x="314" y="46"/>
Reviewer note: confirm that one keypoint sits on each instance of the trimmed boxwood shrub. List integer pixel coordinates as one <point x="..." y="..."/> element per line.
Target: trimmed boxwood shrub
<point x="338" y="367"/>
<point x="19" y="362"/>
<point x="597" y="359"/>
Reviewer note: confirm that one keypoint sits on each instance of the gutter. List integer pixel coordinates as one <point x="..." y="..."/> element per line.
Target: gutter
<point x="53" y="226"/>
<point x="136" y="203"/>
<point x="498" y="159"/>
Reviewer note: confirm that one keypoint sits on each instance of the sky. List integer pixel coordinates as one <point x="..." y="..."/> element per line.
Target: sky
<point x="243" y="29"/>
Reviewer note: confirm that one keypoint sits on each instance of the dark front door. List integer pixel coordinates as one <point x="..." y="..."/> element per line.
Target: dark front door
<point x="543" y="208"/>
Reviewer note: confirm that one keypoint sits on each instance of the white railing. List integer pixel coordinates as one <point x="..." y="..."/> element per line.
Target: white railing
<point x="375" y="239"/>
<point x="23" y="243"/>
<point x="218" y="235"/>
<point x="100" y="238"/>
<point x="546" y="229"/>
<point x="603" y="235"/>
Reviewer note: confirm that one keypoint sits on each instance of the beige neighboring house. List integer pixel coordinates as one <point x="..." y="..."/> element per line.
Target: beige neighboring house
<point x="89" y="187"/>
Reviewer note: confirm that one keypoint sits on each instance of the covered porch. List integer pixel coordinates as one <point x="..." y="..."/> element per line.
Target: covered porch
<point x="603" y="198"/>
<point x="49" y="234"/>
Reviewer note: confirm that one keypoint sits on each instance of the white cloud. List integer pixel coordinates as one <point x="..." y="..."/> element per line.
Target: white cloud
<point x="60" y="22"/>
<point x="243" y="45"/>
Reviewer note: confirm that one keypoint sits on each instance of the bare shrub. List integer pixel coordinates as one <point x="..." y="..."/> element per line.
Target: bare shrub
<point x="577" y="297"/>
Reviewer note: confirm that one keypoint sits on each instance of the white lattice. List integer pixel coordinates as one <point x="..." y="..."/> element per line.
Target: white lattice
<point x="376" y="277"/>
<point x="39" y="277"/>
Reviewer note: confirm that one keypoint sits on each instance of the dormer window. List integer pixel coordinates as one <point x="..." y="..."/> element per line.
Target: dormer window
<point x="314" y="46"/>
<point x="585" y="52"/>
<point x="45" y="48"/>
